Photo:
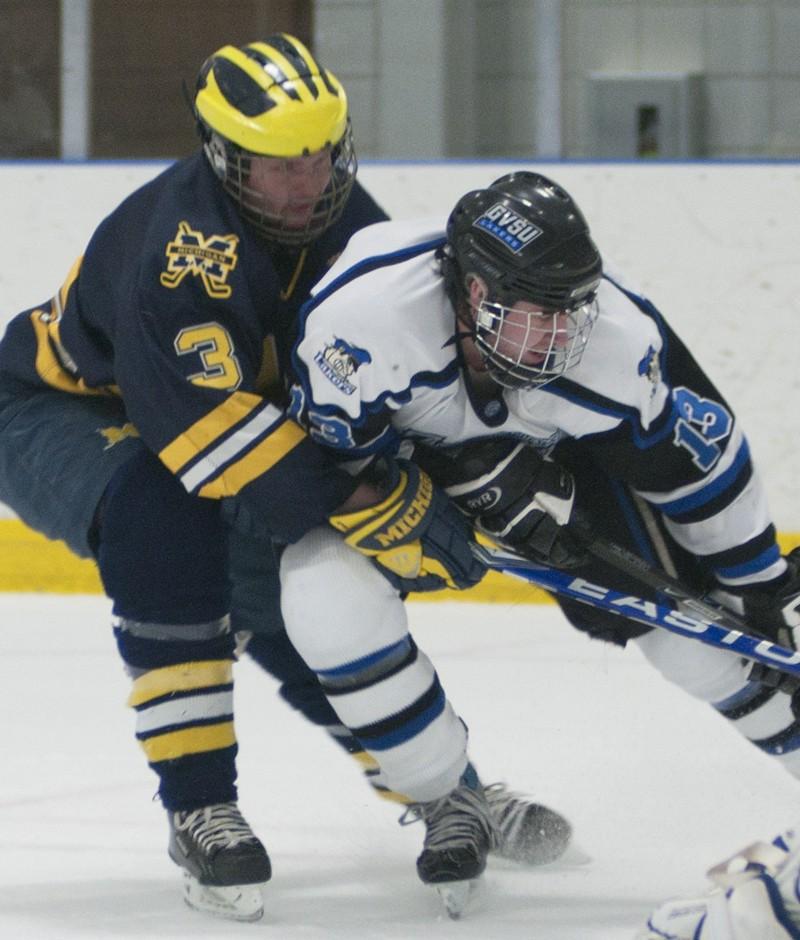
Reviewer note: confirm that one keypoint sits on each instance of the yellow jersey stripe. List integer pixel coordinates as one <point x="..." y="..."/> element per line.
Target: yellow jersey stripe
<point x="70" y="280"/>
<point x="157" y="682"/>
<point x="208" y="429"/>
<point x="189" y="741"/>
<point x="47" y="364"/>
<point x="256" y="462"/>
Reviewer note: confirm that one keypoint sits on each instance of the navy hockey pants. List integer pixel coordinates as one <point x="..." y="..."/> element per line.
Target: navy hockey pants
<point x="174" y="566"/>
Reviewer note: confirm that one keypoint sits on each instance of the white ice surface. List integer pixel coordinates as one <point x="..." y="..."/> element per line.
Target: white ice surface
<point x="658" y="788"/>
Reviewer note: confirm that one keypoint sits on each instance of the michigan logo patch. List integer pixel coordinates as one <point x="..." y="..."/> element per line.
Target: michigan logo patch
<point x="211" y="259"/>
<point x="508" y="227"/>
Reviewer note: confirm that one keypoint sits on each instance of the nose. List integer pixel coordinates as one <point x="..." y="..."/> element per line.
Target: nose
<point x="309" y="181"/>
<point x="304" y="186"/>
<point x="560" y="330"/>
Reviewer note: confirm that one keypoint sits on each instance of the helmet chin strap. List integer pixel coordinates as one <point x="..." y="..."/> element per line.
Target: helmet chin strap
<point x="465" y="322"/>
<point x="466" y="329"/>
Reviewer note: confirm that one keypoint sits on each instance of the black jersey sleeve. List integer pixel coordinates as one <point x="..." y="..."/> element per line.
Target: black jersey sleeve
<point x="693" y="465"/>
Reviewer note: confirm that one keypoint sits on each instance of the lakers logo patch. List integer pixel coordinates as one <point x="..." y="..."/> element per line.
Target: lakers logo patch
<point x="211" y="259"/>
<point x="650" y="368"/>
<point x="339" y="360"/>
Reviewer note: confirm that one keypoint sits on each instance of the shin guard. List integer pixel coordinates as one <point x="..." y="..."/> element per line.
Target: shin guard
<point x="183" y="697"/>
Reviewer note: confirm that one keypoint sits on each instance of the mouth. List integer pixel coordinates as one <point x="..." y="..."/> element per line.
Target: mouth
<point x="298" y="214"/>
<point x="301" y="208"/>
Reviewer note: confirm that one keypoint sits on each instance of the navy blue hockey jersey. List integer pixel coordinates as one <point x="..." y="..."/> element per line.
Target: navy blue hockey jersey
<point x="181" y="309"/>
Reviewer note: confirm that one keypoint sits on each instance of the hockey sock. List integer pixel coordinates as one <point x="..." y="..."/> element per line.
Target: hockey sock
<point x="183" y="697"/>
<point x="369" y="766"/>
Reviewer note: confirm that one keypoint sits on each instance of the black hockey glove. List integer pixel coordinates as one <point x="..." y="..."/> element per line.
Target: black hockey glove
<point x="514" y="495"/>
<point x="417" y="538"/>
<point x="774" y="611"/>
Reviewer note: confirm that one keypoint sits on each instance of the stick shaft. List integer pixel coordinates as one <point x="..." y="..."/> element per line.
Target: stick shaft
<point x="691" y="616"/>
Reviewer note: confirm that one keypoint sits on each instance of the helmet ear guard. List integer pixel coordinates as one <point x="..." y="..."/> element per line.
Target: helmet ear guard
<point x="272" y="99"/>
<point x="529" y="243"/>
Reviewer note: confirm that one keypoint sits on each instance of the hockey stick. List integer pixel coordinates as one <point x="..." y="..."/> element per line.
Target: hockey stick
<point x="691" y="616"/>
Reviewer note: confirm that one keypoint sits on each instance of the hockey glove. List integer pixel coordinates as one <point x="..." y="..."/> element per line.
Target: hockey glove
<point x="415" y="536"/>
<point x="753" y="898"/>
<point x="515" y="496"/>
<point x="776" y="613"/>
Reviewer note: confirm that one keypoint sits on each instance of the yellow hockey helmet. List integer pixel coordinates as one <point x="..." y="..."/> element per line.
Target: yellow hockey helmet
<point x="273" y="99"/>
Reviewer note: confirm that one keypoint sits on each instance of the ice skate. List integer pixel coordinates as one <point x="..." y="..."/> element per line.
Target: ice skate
<point x="459" y="835"/>
<point x="528" y="833"/>
<point x="224" y="864"/>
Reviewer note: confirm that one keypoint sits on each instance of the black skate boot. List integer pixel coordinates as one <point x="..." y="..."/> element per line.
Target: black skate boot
<point x="459" y="835"/>
<point x="528" y="833"/>
<point x="223" y="862"/>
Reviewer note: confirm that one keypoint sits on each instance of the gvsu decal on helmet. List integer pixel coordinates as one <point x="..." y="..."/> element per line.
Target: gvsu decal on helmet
<point x="514" y="231"/>
<point x="339" y="360"/>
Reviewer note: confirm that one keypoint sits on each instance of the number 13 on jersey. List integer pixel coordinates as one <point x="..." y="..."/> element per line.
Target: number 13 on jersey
<point x="701" y="423"/>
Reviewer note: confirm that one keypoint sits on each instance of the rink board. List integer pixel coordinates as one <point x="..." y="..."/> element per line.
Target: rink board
<point x="29" y="562"/>
<point x="712" y="263"/>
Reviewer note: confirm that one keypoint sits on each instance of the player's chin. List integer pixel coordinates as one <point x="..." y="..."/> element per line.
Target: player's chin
<point x="298" y="217"/>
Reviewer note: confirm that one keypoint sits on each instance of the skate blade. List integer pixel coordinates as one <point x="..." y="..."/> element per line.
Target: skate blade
<point x="232" y="902"/>
<point x="455" y="895"/>
<point x="572" y="857"/>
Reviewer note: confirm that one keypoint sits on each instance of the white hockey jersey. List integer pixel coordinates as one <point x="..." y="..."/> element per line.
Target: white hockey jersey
<point x="378" y="362"/>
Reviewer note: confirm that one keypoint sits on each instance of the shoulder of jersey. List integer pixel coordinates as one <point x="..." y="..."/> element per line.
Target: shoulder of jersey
<point x="188" y="193"/>
<point x="621" y="357"/>
<point x="195" y="238"/>
<point x="381" y="241"/>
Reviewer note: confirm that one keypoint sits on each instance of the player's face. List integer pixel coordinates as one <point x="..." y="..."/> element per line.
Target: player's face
<point x="528" y="334"/>
<point x="289" y="189"/>
<point x="524" y="333"/>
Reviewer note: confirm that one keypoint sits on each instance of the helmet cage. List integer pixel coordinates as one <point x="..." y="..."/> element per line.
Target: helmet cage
<point x="528" y="243"/>
<point x="537" y="347"/>
<point x="231" y="164"/>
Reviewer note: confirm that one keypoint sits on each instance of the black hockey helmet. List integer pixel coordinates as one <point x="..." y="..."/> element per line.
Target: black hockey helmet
<point x="526" y="239"/>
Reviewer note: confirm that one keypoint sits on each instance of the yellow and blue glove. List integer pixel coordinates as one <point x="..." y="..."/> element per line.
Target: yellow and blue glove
<point x="417" y="538"/>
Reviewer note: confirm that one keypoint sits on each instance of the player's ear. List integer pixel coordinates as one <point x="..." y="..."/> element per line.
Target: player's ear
<point x="476" y="289"/>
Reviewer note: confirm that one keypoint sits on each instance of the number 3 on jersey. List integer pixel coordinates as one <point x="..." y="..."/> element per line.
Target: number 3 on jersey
<point x="700" y="424"/>
<point x="214" y="346"/>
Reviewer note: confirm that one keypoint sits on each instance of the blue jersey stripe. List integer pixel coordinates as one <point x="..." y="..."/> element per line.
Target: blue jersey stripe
<point x="712" y="490"/>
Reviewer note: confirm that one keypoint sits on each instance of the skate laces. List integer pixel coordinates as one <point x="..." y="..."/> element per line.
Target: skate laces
<point x="507" y="807"/>
<point x="459" y="818"/>
<point x="213" y="827"/>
